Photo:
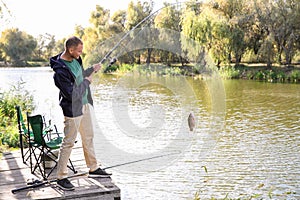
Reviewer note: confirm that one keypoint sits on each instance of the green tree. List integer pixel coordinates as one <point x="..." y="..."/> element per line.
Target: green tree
<point x="135" y="14"/>
<point x="253" y="30"/>
<point x="45" y="47"/>
<point x="100" y="21"/>
<point x="119" y="20"/>
<point x="196" y="30"/>
<point x="236" y="13"/>
<point x="208" y="28"/>
<point x="79" y="31"/>
<point x="169" y="18"/>
<point x="17" y="46"/>
<point x="265" y="18"/>
<point x="220" y="45"/>
<point x="280" y="20"/>
<point x="91" y="42"/>
<point x="286" y="28"/>
<point x="95" y="34"/>
<point x="266" y="52"/>
<point x="197" y="25"/>
<point x="59" y="46"/>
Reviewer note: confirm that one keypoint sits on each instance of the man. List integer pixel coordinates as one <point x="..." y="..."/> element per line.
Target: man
<point x="76" y="103"/>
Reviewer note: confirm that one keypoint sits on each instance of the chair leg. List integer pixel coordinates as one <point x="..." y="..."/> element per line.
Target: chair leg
<point x="26" y="152"/>
<point x="72" y="167"/>
<point x="54" y="158"/>
<point x="39" y="160"/>
<point x="38" y="163"/>
<point x="30" y="157"/>
<point x="21" y="147"/>
<point x="30" y="161"/>
<point x="43" y="162"/>
<point x="51" y="170"/>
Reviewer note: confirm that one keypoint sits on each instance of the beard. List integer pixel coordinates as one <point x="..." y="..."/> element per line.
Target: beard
<point x="74" y="56"/>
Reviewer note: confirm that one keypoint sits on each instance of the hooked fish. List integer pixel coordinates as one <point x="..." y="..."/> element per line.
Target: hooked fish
<point x="191" y="121"/>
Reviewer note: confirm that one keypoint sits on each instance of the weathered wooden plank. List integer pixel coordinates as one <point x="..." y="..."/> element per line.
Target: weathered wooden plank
<point x="85" y="188"/>
<point x="14" y="174"/>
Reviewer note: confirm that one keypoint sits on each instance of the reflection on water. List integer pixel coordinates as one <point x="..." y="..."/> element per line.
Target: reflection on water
<point x="256" y="154"/>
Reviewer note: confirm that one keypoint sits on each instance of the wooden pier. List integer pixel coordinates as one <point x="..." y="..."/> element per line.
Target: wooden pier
<point x="15" y="174"/>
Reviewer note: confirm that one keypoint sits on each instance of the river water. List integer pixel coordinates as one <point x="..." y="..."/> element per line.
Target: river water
<point x="246" y="142"/>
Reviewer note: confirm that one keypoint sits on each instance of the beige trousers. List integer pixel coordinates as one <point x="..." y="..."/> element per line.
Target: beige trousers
<point x="85" y="125"/>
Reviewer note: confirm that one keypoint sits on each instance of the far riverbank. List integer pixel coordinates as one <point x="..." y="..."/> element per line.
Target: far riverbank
<point x="256" y="71"/>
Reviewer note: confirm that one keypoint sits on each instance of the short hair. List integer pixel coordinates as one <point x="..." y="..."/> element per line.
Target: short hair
<point x="73" y="42"/>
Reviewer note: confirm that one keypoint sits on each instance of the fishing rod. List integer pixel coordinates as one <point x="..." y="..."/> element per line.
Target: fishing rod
<point x="39" y="183"/>
<point x="113" y="60"/>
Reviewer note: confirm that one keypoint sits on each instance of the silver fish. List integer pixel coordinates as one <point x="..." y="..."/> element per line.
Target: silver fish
<point x="191" y="121"/>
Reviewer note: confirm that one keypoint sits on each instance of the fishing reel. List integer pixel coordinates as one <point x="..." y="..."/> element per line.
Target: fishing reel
<point x="112" y="61"/>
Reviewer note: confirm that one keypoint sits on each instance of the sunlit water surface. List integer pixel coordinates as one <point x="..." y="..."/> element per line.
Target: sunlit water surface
<point x="252" y="151"/>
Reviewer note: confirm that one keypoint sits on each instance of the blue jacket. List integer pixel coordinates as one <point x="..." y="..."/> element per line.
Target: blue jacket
<point x="70" y="94"/>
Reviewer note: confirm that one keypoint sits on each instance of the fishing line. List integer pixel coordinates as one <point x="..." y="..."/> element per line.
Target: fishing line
<point x="38" y="183"/>
<point x="144" y="159"/>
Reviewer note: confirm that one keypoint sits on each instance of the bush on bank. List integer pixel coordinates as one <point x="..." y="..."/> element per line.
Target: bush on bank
<point x="258" y="72"/>
<point x="9" y="99"/>
<point x="274" y="74"/>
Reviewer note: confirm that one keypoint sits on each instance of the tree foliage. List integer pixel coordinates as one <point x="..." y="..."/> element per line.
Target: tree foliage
<point x="17" y="46"/>
<point x="45" y="47"/>
<point x="231" y="31"/>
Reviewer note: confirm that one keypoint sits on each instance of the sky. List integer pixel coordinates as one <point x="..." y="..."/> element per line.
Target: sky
<point x="57" y="17"/>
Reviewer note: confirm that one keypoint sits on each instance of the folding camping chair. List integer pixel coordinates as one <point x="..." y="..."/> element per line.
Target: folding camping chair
<point x="25" y="136"/>
<point x="43" y="145"/>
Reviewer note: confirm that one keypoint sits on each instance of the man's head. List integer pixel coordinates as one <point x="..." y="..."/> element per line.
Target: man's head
<point x="74" y="47"/>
